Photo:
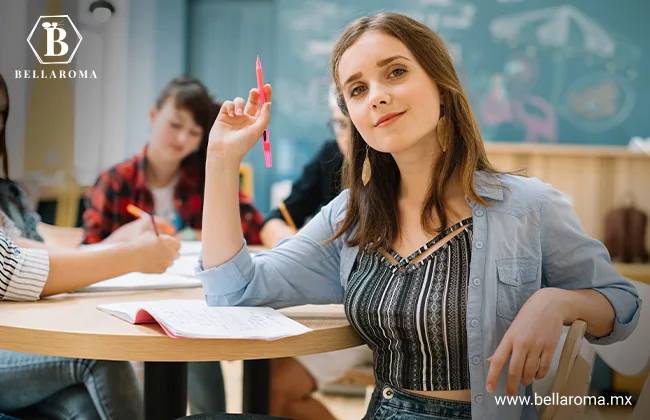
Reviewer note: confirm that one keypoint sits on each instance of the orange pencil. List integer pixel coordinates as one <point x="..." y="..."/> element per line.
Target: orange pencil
<point x="287" y="216"/>
<point x="138" y="212"/>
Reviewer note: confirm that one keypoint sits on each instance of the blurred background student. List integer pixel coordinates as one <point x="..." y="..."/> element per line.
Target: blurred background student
<point x="293" y="380"/>
<point x="167" y="179"/>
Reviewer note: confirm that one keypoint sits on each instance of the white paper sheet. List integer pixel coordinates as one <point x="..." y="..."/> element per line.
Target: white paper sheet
<point x="184" y="265"/>
<point x="194" y="319"/>
<point x="190" y="248"/>
<point x="140" y="281"/>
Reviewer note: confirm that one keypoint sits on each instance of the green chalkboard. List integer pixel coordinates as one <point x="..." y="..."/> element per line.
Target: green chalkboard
<point x="542" y="71"/>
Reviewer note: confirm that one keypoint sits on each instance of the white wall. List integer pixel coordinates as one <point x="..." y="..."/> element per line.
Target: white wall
<point x="100" y="129"/>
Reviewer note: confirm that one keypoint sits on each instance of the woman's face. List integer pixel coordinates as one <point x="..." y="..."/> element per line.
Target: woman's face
<point x="175" y="134"/>
<point x="391" y="100"/>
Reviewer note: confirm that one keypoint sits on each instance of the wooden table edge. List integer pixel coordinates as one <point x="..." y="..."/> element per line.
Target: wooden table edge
<point x="162" y="348"/>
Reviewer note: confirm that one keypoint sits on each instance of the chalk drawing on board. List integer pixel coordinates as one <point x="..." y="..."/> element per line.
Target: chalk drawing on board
<point x="598" y="102"/>
<point x="551" y="27"/>
<point x="509" y="102"/>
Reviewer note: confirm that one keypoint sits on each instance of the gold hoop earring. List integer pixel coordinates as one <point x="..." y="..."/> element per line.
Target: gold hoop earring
<point x="366" y="172"/>
<point x="440" y="131"/>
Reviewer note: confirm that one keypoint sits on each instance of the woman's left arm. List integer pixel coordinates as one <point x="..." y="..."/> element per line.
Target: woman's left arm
<point x="579" y="267"/>
<point x="580" y="283"/>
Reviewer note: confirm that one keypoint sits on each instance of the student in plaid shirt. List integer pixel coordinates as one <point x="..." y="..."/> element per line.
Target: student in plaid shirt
<point x="167" y="177"/>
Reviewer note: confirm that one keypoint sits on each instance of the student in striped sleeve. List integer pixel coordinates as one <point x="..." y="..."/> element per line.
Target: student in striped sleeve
<point x="60" y="387"/>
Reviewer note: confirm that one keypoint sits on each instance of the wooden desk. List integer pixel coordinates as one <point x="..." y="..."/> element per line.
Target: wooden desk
<point x="638" y="272"/>
<point x="71" y="326"/>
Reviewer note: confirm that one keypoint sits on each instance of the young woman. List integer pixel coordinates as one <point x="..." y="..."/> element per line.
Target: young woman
<point x="58" y="387"/>
<point x="168" y="177"/>
<point x="458" y="277"/>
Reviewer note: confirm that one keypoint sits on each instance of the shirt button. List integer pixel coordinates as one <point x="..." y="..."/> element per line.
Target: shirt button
<point x="476" y="281"/>
<point x="479" y="399"/>
<point x="479" y="245"/>
<point x="476" y="360"/>
<point x="474" y="323"/>
<point x="479" y="212"/>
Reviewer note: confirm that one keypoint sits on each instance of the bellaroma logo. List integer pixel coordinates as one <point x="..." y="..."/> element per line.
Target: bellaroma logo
<point x="62" y="39"/>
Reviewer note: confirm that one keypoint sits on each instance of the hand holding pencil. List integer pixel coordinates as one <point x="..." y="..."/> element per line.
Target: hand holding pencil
<point x="156" y="222"/>
<point x="239" y="126"/>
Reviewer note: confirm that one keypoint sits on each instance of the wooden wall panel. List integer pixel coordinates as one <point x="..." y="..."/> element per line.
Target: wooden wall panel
<point x="598" y="179"/>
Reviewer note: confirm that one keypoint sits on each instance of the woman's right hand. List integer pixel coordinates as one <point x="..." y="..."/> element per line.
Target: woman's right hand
<point x="238" y="127"/>
<point x="155" y="253"/>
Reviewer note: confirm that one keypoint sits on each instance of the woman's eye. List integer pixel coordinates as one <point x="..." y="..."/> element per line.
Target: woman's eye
<point x="175" y="125"/>
<point x="357" y="91"/>
<point x="397" y="72"/>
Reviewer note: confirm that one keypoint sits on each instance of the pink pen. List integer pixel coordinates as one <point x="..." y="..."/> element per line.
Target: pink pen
<point x="266" y="143"/>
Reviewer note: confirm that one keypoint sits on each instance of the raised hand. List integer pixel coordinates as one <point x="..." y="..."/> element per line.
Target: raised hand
<point x="240" y="125"/>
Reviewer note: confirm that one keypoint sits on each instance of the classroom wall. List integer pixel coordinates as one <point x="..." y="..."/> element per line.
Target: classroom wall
<point x="63" y="130"/>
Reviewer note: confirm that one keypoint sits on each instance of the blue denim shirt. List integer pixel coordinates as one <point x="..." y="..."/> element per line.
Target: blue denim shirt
<point x="527" y="238"/>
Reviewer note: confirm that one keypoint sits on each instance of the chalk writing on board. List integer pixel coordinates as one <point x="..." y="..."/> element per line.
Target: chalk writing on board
<point x="444" y="15"/>
<point x="598" y="102"/>
<point x="306" y="103"/>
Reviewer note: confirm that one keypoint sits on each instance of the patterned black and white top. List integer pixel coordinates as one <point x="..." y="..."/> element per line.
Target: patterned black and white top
<point x="413" y="316"/>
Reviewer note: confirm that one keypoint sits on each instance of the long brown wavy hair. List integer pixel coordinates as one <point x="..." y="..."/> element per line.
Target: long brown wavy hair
<point x="373" y="208"/>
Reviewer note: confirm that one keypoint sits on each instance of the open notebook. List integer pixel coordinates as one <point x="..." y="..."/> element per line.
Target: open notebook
<point x="194" y="319"/>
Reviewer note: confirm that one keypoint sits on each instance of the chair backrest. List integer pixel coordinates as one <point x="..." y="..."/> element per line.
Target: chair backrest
<point x="567" y="379"/>
<point x="631" y="357"/>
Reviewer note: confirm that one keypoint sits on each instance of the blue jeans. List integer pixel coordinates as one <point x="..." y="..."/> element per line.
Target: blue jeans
<point x="388" y="403"/>
<point x="63" y="388"/>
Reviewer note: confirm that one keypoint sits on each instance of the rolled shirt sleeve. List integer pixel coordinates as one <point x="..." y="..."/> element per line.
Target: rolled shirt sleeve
<point x="574" y="260"/>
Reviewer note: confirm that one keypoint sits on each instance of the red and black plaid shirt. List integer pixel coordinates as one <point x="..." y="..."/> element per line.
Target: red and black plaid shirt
<point x="126" y="183"/>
